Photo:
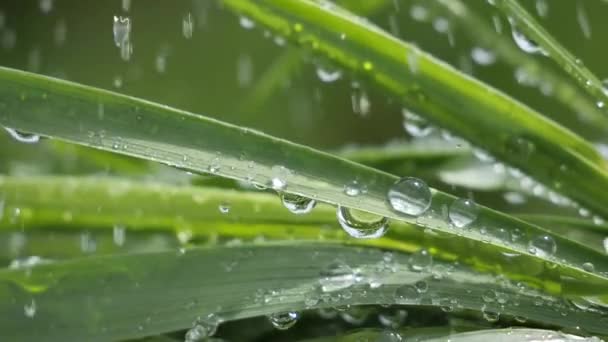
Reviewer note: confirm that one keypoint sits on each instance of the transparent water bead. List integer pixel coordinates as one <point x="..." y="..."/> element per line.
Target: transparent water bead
<point x="361" y="225"/>
<point x="337" y="276"/>
<point x="410" y="196"/>
<point x="279" y="177"/>
<point x="463" y="212"/>
<point x="284" y="320"/>
<point x="421" y="260"/>
<point x="23" y="137"/>
<point x="415" y="125"/>
<point x="524" y="43"/>
<point x="354" y="189"/>
<point x="297" y="204"/>
<point x="202" y="328"/>
<point x="121" y="30"/>
<point x="328" y="75"/>
<point x="543" y="245"/>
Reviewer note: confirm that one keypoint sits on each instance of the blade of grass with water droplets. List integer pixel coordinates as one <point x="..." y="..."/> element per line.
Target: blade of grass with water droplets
<point x="166" y="291"/>
<point x="98" y="205"/>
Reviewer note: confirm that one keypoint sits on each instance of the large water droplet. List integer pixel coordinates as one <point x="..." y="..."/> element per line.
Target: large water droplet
<point x="297" y="204"/>
<point x="23" y="137"/>
<point x="463" y="212"/>
<point x="337" y="276"/>
<point x="410" y="196"/>
<point x="284" y="320"/>
<point x="524" y="43"/>
<point x="543" y="245"/>
<point x="415" y="125"/>
<point x="406" y="294"/>
<point x="202" y="328"/>
<point x="360" y="224"/>
<point x="421" y="260"/>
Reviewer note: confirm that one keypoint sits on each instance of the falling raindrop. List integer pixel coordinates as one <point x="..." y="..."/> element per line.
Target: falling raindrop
<point x="284" y="320"/>
<point x="122" y="36"/>
<point x="410" y="196"/>
<point x="46" y="6"/>
<point x="60" y="32"/>
<point x="542" y="8"/>
<point x="583" y="19"/>
<point x="360" y="101"/>
<point x="297" y="204"/>
<point x="23" y="137"/>
<point x="463" y="212"/>
<point x="30" y="309"/>
<point x="360" y="224"/>
<point x="246" y="23"/>
<point x="119" y="234"/>
<point x="187" y="25"/>
<point x="126" y="5"/>
<point x="244" y="70"/>
<point x="483" y="56"/>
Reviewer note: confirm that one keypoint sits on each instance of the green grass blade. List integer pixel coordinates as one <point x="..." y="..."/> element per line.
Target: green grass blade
<point x="96" y="204"/>
<point x="556" y="51"/>
<point x="484" y="116"/>
<point x="86" y="299"/>
<point x="564" y="91"/>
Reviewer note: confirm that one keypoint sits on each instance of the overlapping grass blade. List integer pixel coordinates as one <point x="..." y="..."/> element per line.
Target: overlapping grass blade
<point x="191" y="212"/>
<point x="484" y="116"/>
<point x="166" y="291"/>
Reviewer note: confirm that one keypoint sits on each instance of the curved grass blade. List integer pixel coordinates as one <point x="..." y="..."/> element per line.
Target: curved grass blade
<point x="567" y="94"/>
<point x="484" y="116"/>
<point x="557" y="52"/>
<point x="440" y="335"/>
<point x="142" y="129"/>
<point x="194" y="213"/>
<point x="167" y="291"/>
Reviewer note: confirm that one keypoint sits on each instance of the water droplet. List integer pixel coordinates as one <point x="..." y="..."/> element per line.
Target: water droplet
<point x="119" y="234"/>
<point x="244" y="71"/>
<point x="360" y="101"/>
<point x="187" y="25"/>
<point x="202" y="328"/>
<point x="589" y="267"/>
<point x="297" y="204"/>
<point x="410" y="196"/>
<point x="406" y="294"/>
<point x="392" y="318"/>
<point x="419" y="13"/>
<point x="328" y="75"/>
<point x="126" y="5"/>
<point x="284" y="320"/>
<point x="583" y="20"/>
<point x="354" y="189"/>
<point x="224" y="207"/>
<point x="46" y="6"/>
<point x="463" y="212"/>
<point x="279" y="177"/>
<point x="337" y="276"/>
<point x="421" y="286"/>
<point x="23" y="137"/>
<point x="30" y="309"/>
<point x="421" y="260"/>
<point x="542" y="8"/>
<point x="87" y="243"/>
<point x="489" y="315"/>
<point x="415" y="125"/>
<point x="524" y="43"/>
<point x="360" y="224"/>
<point x="389" y="336"/>
<point x="122" y="36"/>
<point x="543" y="245"/>
<point x="483" y="56"/>
<point x="246" y="23"/>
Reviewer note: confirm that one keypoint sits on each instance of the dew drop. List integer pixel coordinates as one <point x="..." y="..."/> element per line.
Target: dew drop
<point x="410" y="196"/>
<point x="279" y="177"/>
<point x="361" y="225"/>
<point x="463" y="212"/>
<point x="415" y="125"/>
<point x="489" y="315"/>
<point x="30" y="309"/>
<point x="543" y="245"/>
<point x="284" y="320"/>
<point x="353" y="189"/>
<point x="297" y="204"/>
<point x="589" y="267"/>
<point x="406" y="294"/>
<point x="23" y="137"/>
<point x="337" y="276"/>
<point x="421" y="260"/>
<point x="421" y="286"/>
<point x="328" y="75"/>
<point x="202" y="328"/>
<point x="224" y="207"/>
